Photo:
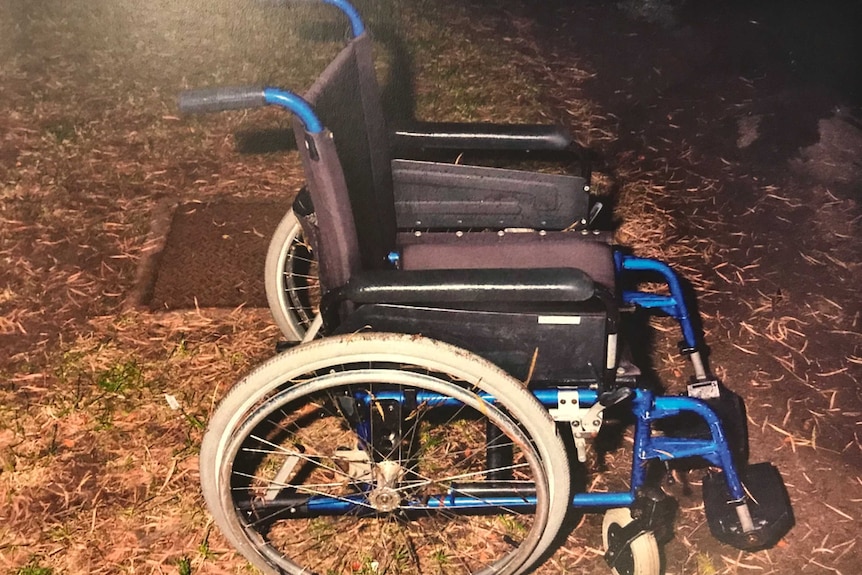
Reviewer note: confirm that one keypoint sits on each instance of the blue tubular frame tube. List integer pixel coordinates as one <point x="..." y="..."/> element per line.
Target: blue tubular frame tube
<point x="603" y="500"/>
<point x="296" y="104"/>
<point x="641" y="406"/>
<point x="673" y="305"/>
<point x="647" y="408"/>
<point x="715" y="450"/>
<point x="323" y="505"/>
<point x="356" y="24"/>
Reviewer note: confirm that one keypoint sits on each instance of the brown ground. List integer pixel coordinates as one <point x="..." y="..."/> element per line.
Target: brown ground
<point x="213" y="256"/>
<point x="718" y="157"/>
<point x="756" y="161"/>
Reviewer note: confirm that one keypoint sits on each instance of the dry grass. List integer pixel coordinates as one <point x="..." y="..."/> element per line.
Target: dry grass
<point x="100" y="458"/>
<point x="102" y="408"/>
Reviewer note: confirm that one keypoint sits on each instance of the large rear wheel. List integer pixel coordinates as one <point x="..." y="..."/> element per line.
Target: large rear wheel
<point x="291" y="278"/>
<point x="371" y="454"/>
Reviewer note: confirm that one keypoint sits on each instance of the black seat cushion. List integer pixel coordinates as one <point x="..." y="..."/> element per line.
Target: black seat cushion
<point x="489" y="250"/>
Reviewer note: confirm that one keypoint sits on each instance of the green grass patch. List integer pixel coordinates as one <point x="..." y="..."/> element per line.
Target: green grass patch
<point x="184" y="566"/>
<point x="34" y="568"/>
<point x="126" y="375"/>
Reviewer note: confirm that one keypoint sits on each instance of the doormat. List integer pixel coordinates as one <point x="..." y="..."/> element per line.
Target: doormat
<point x="207" y="254"/>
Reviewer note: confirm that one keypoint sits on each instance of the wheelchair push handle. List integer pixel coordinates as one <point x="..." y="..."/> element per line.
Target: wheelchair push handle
<point x="207" y="100"/>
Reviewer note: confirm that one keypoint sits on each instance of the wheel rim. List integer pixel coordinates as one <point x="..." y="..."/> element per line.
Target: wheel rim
<point x="300" y="286"/>
<point x="291" y="278"/>
<point x="413" y="536"/>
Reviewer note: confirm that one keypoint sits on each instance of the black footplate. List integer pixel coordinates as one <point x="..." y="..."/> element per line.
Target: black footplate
<point x="768" y="503"/>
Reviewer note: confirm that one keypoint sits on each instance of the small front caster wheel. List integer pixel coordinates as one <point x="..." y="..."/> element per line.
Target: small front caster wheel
<point x="639" y="556"/>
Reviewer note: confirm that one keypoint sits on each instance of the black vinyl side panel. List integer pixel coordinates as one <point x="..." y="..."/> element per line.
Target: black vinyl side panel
<point x="571" y="340"/>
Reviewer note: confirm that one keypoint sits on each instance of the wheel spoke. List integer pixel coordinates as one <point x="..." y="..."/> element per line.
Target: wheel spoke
<point x="291" y="278"/>
<point x="329" y="468"/>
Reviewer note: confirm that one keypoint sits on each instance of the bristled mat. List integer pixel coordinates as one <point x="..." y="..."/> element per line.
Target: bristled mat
<point x="213" y="256"/>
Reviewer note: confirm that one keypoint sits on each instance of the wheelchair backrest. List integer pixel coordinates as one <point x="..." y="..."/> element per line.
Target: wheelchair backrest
<point x="337" y="246"/>
<point x="346" y="98"/>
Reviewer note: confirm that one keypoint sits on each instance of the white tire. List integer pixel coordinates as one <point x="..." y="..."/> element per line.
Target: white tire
<point x="290" y="279"/>
<point x="642" y="556"/>
<point x="307" y="377"/>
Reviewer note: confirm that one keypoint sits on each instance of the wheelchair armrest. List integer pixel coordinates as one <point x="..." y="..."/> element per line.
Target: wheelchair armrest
<point x="470" y="285"/>
<point x="482" y="136"/>
<point x="436" y="195"/>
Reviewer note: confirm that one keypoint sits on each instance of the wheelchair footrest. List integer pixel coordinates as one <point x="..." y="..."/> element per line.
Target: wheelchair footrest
<point x="768" y="503"/>
<point x="729" y="407"/>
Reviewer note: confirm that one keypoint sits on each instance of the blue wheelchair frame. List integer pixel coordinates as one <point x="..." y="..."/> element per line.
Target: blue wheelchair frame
<point x="647" y="407"/>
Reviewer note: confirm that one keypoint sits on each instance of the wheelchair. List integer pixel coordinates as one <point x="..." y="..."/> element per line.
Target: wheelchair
<point x="444" y="399"/>
<point x="402" y="165"/>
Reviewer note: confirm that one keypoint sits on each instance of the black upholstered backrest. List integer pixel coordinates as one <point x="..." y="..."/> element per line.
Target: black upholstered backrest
<point x="347" y="100"/>
<point x="337" y="246"/>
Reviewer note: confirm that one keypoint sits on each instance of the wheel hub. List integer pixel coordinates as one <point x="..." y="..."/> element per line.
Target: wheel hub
<point x="385" y="497"/>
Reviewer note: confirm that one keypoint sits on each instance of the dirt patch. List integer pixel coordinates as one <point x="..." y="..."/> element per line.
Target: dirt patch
<point x="834" y="161"/>
<point x="213" y="256"/>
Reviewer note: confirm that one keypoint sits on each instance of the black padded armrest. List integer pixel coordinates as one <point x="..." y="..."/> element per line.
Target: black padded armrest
<point x="434" y="195"/>
<point x="463" y="136"/>
<point x="472" y="285"/>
